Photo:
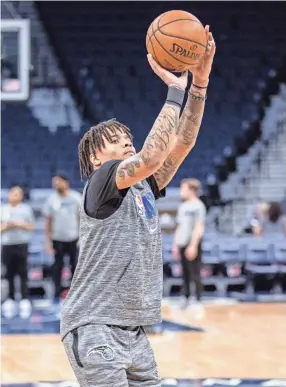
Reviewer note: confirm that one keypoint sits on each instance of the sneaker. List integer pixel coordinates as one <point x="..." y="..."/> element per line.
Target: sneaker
<point x="25" y="308"/>
<point x="185" y="303"/>
<point x="197" y="306"/>
<point x="9" y="309"/>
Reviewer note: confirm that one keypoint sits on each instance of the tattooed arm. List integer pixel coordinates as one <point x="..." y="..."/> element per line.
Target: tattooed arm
<point x="160" y="140"/>
<point x="191" y="119"/>
<point x="170" y="139"/>
<point x="155" y="149"/>
<point x="187" y="133"/>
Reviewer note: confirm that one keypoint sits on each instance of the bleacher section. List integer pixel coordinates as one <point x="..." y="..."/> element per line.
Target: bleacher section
<point x="234" y="266"/>
<point x="261" y="173"/>
<point x="242" y="268"/>
<point x="31" y="154"/>
<point x="107" y="70"/>
<point x="106" y="61"/>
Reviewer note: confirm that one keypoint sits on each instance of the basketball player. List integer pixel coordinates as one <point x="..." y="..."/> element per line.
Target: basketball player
<point x="17" y="224"/>
<point x="188" y="236"/>
<point x="117" y="285"/>
<point x="61" y="212"/>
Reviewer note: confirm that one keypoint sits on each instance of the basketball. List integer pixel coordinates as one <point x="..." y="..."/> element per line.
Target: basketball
<point x="176" y="40"/>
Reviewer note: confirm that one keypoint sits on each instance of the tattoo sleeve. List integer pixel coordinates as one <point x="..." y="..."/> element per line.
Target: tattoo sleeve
<point x="162" y="136"/>
<point x="191" y="118"/>
<point x="155" y="150"/>
<point x="187" y="132"/>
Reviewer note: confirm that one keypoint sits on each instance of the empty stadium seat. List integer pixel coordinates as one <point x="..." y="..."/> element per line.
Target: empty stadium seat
<point x="107" y="62"/>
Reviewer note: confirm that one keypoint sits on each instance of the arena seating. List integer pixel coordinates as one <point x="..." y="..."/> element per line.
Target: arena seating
<point x="106" y="61"/>
<point x="105" y="65"/>
<point x="31" y="154"/>
<point x="247" y="265"/>
<point x="243" y="268"/>
<point x="238" y="266"/>
<point x="260" y="174"/>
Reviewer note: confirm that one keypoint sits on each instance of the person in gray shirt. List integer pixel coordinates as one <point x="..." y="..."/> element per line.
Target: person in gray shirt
<point x="187" y="241"/>
<point x="272" y="225"/>
<point x="117" y="285"/>
<point x="17" y="224"/>
<point x="61" y="212"/>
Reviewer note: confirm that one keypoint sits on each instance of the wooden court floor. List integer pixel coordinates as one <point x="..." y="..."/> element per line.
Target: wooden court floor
<point x="239" y="341"/>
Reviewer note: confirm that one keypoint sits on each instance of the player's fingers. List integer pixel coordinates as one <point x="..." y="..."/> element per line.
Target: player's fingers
<point x="211" y="45"/>
<point x="213" y="48"/>
<point x="155" y="67"/>
<point x="207" y="28"/>
<point x="209" y="39"/>
<point x="209" y="48"/>
<point x="151" y="60"/>
<point x="152" y="64"/>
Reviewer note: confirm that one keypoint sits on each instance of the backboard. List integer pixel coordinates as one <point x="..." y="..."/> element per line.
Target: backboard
<point x="15" y="59"/>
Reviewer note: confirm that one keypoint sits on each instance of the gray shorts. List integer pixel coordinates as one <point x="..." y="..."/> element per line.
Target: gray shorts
<point x="111" y="356"/>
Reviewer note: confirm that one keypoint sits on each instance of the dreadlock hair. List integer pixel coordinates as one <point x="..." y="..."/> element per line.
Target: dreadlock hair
<point x="93" y="141"/>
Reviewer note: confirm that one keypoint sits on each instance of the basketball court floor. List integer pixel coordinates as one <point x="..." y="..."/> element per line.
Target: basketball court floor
<point x="226" y="344"/>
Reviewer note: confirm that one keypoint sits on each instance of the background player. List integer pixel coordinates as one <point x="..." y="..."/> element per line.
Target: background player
<point x="187" y="242"/>
<point x="17" y="224"/>
<point x="61" y="211"/>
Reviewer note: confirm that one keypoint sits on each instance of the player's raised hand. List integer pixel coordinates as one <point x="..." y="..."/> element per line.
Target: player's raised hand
<point x="202" y="71"/>
<point x="166" y="76"/>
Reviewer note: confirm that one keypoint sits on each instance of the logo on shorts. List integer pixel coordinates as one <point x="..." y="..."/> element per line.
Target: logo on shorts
<point x="104" y="350"/>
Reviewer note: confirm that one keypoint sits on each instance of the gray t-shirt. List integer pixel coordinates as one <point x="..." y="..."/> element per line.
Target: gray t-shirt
<point x="64" y="211"/>
<point x="189" y="212"/>
<point x="16" y="236"/>
<point x="274" y="228"/>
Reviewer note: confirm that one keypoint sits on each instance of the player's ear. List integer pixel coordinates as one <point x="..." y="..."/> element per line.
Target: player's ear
<point x="94" y="161"/>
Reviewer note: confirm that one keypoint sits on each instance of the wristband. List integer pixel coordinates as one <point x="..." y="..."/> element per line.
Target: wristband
<point x="197" y="97"/>
<point x="198" y="87"/>
<point x="175" y="96"/>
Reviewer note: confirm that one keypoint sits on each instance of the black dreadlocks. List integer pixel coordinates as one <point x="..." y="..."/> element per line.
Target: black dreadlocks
<point x="93" y="140"/>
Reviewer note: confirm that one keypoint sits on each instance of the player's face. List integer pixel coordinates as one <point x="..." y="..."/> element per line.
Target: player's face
<point x="184" y="191"/>
<point x="120" y="148"/>
<point x="59" y="184"/>
<point x="15" y="195"/>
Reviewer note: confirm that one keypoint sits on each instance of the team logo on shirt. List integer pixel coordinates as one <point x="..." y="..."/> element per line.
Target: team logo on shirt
<point x="140" y="205"/>
<point x="147" y="207"/>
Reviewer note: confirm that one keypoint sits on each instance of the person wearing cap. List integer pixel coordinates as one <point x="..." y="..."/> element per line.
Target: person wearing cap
<point x="61" y="212"/>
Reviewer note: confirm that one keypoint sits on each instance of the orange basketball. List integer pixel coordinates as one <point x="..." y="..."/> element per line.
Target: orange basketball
<point x="176" y="40"/>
